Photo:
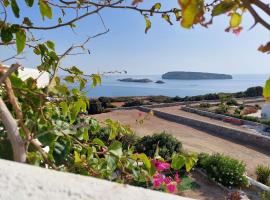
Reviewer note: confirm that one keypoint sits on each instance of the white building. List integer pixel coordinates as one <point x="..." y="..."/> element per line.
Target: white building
<point x="42" y="78"/>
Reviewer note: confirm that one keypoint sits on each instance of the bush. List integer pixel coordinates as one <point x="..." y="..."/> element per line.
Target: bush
<point x="265" y="195"/>
<point x="205" y="105"/>
<point x="166" y="143"/>
<point x="254" y="91"/>
<point x="136" y="102"/>
<point x="224" y="169"/>
<point x="232" y="102"/>
<point x="222" y="109"/>
<point x="177" y="98"/>
<point x="127" y="139"/>
<point x="263" y="174"/>
<point x="160" y="99"/>
<point x="95" y="107"/>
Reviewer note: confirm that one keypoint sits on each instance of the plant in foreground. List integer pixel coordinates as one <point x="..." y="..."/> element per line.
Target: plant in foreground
<point x="263" y="174"/>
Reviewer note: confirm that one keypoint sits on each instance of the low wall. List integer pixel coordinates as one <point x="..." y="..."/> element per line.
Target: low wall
<point x="26" y="182"/>
<point x="221" y="117"/>
<point x="244" y="137"/>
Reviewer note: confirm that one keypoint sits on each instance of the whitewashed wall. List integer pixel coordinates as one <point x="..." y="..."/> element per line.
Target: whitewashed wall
<point x="24" y="182"/>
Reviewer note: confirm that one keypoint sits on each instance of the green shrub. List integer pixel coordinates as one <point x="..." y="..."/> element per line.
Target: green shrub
<point x="127" y="139"/>
<point x="136" y="102"/>
<point x="95" y="107"/>
<point x="263" y="174"/>
<point x="232" y="102"/>
<point x="205" y="105"/>
<point x="254" y="91"/>
<point x="237" y="111"/>
<point x="224" y="169"/>
<point x="222" y="109"/>
<point x="166" y="143"/>
<point x="241" y="107"/>
<point x="265" y="195"/>
<point x="160" y="99"/>
<point x="177" y="98"/>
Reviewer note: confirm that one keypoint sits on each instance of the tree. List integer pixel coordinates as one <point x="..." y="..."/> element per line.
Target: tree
<point x="35" y="117"/>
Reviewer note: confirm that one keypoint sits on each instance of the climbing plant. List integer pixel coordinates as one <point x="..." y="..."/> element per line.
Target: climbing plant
<point x="46" y="126"/>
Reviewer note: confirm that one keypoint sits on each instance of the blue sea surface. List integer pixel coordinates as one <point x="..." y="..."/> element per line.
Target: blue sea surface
<point x="112" y="87"/>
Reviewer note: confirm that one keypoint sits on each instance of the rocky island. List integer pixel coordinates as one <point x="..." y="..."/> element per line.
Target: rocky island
<point x="160" y="82"/>
<point x="181" y="75"/>
<point x="143" y="80"/>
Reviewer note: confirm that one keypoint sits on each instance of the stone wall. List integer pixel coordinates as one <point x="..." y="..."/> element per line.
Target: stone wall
<point x="244" y="137"/>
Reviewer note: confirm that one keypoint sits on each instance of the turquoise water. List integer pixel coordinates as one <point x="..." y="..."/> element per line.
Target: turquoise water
<point x="112" y="87"/>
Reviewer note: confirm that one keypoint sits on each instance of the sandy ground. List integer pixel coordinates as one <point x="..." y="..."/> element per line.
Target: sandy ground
<point x="192" y="139"/>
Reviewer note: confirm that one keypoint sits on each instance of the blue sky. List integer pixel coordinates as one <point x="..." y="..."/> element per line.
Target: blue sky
<point x="164" y="48"/>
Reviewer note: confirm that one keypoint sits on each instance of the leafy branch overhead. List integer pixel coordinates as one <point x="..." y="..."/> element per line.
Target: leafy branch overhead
<point x="189" y="13"/>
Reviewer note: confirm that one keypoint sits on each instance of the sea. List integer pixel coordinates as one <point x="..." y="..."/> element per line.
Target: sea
<point x="111" y="87"/>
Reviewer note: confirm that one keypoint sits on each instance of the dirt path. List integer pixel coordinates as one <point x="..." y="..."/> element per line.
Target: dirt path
<point x="192" y="139"/>
<point x="177" y="111"/>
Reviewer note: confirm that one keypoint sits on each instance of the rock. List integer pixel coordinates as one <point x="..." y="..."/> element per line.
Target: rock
<point x="143" y="80"/>
<point x="160" y="82"/>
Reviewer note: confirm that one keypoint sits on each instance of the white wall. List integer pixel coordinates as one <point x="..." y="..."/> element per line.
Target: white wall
<point x="24" y="182"/>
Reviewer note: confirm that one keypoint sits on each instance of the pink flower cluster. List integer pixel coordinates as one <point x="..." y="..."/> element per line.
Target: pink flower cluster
<point x="160" y="179"/>
<point x="161" y="166"/>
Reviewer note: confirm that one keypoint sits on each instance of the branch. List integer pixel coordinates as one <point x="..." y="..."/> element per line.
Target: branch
<point x="255" y="15"/>
<point x="18" y="147"/>
<point x="5" y="75"/>
<point x="63" y="24"/>
<point x="262" y="6"/>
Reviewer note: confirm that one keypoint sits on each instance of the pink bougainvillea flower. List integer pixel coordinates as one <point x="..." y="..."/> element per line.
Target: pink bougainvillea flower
<point x="171" y="187"/>
<point x="158" y="179"/>
<point x="176" y="178"/>
<point x="161" y="166"/>
<point x="237" y="31"/>
<point x="167" y="180"/>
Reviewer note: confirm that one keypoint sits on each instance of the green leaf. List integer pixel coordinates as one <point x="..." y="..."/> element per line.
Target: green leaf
<point x="69" y="79"/>
<point x="142" y="157"/>
<point x="223" y="7"/>
<point x="96" y="80"/>
<point x="192" y="12"/>
<point x="64" y="108"/>
<point x="85" y="134"/>
<point x="190" y="162"/>
<point x="167" y="18"/>
<point x="266" y="89"/>
<point x="29" y="2"/>
<point x="50" y="44"/>
<point x="178" y="161"/>
<point x="147" y="23"/>
<point x="59" y="20"/>
<point x="6" y="3"/>
<point x="77" y="158"/>
<point x="27" y="21"/>
<point x="111" y="163"/>
<point x="20" y="40"/>
<point x="116" y="148"/>
<point x="15" y="8"/>
<point x="98" y="142"/>
<point x="6" y="35"/>
<point x="235" y="20"/>
<point x="45" y="9"/>
<point x="155" y="7"/>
